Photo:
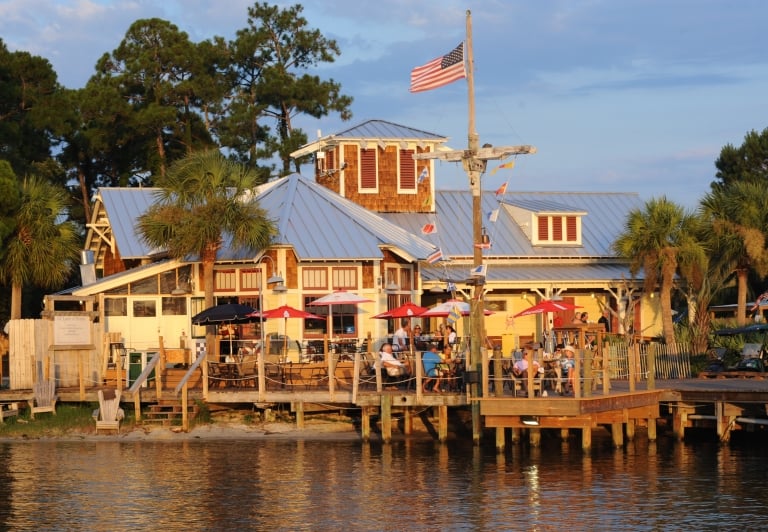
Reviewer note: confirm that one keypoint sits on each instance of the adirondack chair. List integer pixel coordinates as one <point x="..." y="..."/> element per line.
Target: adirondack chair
<point x="109" y="414"/>
<point x="44" y="399"/>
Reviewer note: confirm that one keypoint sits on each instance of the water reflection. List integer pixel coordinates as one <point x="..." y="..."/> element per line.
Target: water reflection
<point x="308" y="485"/>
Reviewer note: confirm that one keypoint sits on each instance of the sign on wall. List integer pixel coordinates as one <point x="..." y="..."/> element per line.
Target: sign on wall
<point x="72" y="330"/>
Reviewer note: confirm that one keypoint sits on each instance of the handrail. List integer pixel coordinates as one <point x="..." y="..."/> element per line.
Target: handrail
<point x="188" y="374"/>
<point x="145" y="374"/>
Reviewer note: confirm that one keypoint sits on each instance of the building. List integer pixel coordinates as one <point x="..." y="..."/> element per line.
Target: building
<point x="368" y="223"/>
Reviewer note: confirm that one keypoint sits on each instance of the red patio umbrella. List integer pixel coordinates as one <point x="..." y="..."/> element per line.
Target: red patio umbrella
<point x="406" y="310"/>
<point x="285" y="312"/>
<point x="547" y="305"/>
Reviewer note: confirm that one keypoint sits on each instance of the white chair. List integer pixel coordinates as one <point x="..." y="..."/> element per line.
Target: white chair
<point x="109" y="414"/>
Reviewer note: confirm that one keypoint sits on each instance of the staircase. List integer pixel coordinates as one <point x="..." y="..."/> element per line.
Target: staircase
<point x="167" y="412"/>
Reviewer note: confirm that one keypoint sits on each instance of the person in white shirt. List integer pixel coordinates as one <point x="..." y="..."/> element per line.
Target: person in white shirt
<point x="402" y="368"/>
<point x="401" y="338"/>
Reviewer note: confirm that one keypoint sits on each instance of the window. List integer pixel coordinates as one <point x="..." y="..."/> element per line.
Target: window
<point x="314" y="278"/>
<point x="558" y="229"/>
<point x="249" y="279"/>
<point x="344" y="319"/>
<point x="344" y="278"/>
<point x="368" y="174"/>
<point x="224" y="280"/>
<point x="407" y="171"/>
<point x="145" y="286"/>
<point x="174" y="306"/>
<point x="115" y="306"/>
<point x="144" y="309"/>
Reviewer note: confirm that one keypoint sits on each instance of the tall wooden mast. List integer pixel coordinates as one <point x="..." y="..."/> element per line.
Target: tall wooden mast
<point x="474" y="161"/>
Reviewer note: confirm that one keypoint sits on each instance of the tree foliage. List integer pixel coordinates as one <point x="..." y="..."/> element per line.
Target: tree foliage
<point x="748" y="162"/>
<point x="657" y="239"/>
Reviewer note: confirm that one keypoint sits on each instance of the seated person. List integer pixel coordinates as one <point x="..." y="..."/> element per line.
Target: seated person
<point x="568" y="366"/>
<point x="432" y="360"/>
<point x="419" y="340"/>
<point x="520" y="369"/>
<point x="391" y="365"/>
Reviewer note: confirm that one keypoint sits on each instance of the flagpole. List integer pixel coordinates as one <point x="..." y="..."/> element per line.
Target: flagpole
<point x="474" y="169"/>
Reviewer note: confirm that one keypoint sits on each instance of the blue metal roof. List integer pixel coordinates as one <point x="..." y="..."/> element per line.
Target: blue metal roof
<point x="604" y="216"/>
<point x="528" y="273"/>
<point x="317" y="222"/>
<point x="381" y="129"/>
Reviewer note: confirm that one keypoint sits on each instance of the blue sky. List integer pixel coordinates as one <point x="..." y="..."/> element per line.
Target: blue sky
<point x="617" y="96"/>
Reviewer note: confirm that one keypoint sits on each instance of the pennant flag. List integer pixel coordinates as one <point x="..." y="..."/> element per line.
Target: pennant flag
<point x="762" y="297"/>
<point x="454" y="315"/>
<point x="508" y="165"/>
<point x="440" y="71"/>
<point x="429" y="229"/>
<point x="451" y="286"/>
<point x="493" y="215"/>
<point x="424" y="174"/>
<point x="479" y="271"/>
<point x="435" y="256"/>
<point x="484" y="245"/>
<point x="501" y="190"/>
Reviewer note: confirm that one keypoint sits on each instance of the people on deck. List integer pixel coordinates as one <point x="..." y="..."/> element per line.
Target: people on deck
<point x="393" y="367"/>
<point x="605" y="319"/>
<point x="432" y="360"/>
<point x="568" y="367"/>
<point x="401" y="338"/>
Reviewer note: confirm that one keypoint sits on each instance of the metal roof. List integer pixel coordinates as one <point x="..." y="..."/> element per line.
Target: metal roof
<point x="604" y="217"/>
<point x="382" y="129"/>
<point x="123" y="206"/>
<point x="317" y="222"/>
<point x="532" y="273"/>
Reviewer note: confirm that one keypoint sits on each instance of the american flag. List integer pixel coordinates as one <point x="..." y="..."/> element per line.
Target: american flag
<point x="440" y="71"/>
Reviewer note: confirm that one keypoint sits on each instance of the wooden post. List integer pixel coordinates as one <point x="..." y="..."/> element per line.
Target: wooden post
<point x="442" y="423"/>
<point x="588" y="380"/>
<point x="577" y="373"/>
<point x="651" y="429"/>
<point x="184" y="407"/>
<point x="365" y="423"/>
<point x="498" y="378"/>
<point x="386" y="418"/>
<point x="605" y="369"/>
<point x="617" y="434"/>
<point x="500" y="439"/>
<point x="534" y="436"/>
<point x="137" y="403"/>
<point x="331" y="361"/>
<point x="407" y="421"/>
<point x="586" y="437"/>
<point x="632" y="353"/>
<point x="204" y="366"/>
<point x="631" y="429"/>
<point x="300" y="414"/>
<point x="515" y="435"/>
<point x="419" y="367"/>
<point x="80" y="370"/>
<point x="651" y="383"/>
<point x="356" y="377"/>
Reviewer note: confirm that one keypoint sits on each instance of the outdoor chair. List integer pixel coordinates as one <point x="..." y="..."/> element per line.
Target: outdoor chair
<point x="44" y="399"/>
<point x="246" y="372"/>
<point x="215" y="379"/>
<point x="109" y="414"/>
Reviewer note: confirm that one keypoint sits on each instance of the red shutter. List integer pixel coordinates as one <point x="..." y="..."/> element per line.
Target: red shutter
<point x="329" y="160"/>
<point x="557" y="228"/>
<point x="543" y="222"/>
<point x="570" y="226"/>
<point x="368" y="169"/>
<point x="407" y="170"/>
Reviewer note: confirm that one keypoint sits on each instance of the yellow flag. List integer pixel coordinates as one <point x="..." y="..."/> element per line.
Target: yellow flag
<point x="508" y="165"/>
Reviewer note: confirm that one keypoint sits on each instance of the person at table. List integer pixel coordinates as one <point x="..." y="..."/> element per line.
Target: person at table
<point x="420" y="341"/>
<point x="451" y="337"/>
<point x="401" y="338"/>
<point x="568" y="367"/>
<point x="439" y="337"/>
<point x="393" y="367"/>
<point x="432" y="361"/>
<point x="520" y="368"/>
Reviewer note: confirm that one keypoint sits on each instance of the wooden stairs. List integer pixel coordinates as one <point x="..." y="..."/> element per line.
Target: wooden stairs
<point x="167" y="412"/>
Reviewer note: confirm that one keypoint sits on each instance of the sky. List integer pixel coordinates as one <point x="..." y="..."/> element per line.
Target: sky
<point x="617" y="96"/>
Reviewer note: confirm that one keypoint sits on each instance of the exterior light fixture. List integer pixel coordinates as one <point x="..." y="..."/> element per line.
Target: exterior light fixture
<point x="531" y="421"/>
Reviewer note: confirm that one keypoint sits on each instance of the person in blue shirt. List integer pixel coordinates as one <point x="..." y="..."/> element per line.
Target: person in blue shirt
<point x="430" y="359"/>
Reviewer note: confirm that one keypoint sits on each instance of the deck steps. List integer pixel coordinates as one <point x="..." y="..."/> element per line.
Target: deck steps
<point x="167" y="413"/>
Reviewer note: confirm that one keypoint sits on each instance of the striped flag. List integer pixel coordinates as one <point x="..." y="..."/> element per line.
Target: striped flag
<point x="429" y="229"/>
<point x="440" y="71"/>
<point x="501" y="190"/>
<point x="424" y="174"/>
<point x="435" y="256"/>
<point x="508" y="165"/>
<point x="454" y="315"/>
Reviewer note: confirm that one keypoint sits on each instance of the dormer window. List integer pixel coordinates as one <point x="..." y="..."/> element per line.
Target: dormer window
<point x="557" y="229"/>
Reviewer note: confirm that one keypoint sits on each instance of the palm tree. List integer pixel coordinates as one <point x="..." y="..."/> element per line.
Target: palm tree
<point x="202" y="197"/>
<point x="44" y="246"/>
<point x="656" y="239"/>
<point x="739" y="218"/>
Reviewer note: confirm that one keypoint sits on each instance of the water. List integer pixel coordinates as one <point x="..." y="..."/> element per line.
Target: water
<point x="407" y="485"/>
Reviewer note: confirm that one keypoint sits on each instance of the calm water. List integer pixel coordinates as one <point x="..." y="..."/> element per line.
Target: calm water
<point x="415" y="485"/>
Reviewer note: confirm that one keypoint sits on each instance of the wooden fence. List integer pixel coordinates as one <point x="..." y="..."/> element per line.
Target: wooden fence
<point x="673" y="361"/>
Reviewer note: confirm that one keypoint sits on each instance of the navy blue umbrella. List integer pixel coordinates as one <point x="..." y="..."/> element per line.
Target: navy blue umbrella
<point x="228" y="313"/>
